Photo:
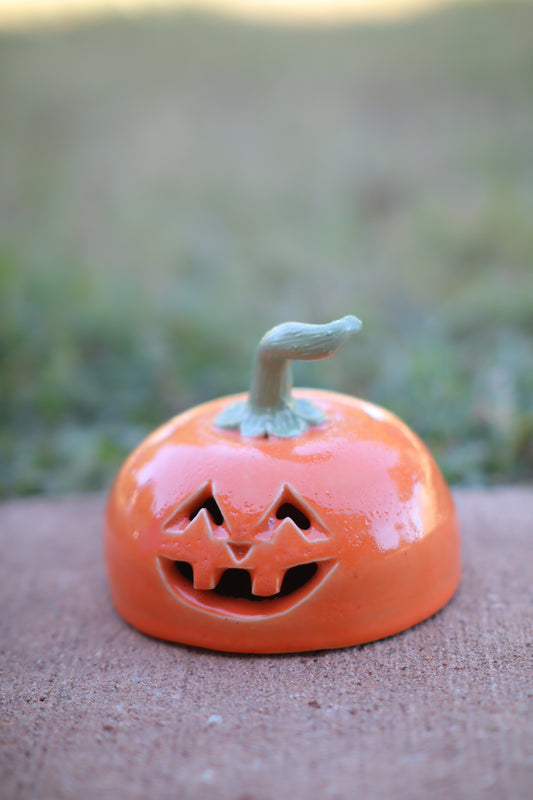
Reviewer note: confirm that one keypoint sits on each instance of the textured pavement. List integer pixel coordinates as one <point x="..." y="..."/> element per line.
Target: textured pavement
<point x="93" y="709"/>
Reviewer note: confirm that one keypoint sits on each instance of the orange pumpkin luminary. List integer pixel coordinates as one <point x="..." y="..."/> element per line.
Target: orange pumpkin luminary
<point x="279" y="522"/>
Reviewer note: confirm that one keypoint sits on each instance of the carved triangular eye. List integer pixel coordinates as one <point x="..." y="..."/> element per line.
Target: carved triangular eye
<point x="202" y="500"/>
<point x="298" y="517"/>
<point x="290" y="505"/>
<point x="212" y="508"/>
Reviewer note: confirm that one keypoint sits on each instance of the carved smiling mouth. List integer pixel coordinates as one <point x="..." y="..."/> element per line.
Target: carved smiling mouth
<point x="233" y="593"/>
<point x="238" y="582"/>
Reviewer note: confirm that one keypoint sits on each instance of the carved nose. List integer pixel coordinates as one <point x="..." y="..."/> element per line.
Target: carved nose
<point x="240" y="551"/>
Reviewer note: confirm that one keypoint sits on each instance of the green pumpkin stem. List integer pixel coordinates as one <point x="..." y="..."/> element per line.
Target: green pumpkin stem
<point x="270" y="407"/>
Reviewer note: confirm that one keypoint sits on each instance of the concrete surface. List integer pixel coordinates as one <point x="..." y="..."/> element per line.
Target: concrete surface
<point x="93" y="709"/>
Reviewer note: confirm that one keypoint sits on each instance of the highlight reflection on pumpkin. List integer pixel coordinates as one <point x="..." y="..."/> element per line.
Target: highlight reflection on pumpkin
<point x="325" y="523"/>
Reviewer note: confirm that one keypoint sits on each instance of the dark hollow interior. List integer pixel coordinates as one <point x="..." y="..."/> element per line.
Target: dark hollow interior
<point x="212" y="508"/>
<point x="298" y="517"/>
<point x="238" y="583"/>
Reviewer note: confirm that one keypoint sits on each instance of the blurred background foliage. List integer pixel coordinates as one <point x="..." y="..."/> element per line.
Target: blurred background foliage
<point x="171" y="186"/>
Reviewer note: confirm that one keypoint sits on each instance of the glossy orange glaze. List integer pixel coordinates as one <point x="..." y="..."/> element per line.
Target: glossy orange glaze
<point x="382" y="534"/>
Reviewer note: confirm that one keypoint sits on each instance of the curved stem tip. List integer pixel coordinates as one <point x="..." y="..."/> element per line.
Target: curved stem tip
<point x="270" y="408"/>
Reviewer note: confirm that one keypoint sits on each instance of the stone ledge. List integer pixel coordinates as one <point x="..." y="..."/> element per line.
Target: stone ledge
<point x="92" y="708"/>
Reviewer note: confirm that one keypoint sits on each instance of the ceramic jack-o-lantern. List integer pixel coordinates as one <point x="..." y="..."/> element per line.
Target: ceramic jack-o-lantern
<point x="279" y="521"/>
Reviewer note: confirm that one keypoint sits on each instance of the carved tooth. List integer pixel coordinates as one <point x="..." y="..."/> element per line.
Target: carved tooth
<point x="205" y="576"/>
<point x="266" y="584"/>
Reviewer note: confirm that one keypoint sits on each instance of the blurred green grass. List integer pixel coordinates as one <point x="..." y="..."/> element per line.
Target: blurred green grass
<point x="171" y="186"/>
